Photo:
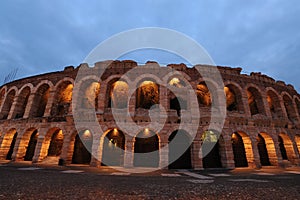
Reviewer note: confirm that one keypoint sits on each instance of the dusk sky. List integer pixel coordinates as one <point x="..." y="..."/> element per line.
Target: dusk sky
<point x="41" y="36"/>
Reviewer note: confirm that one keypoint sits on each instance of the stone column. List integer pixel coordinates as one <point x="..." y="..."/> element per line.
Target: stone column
<point x="49" y="103"/>
<point x="13" y="107"/>
<point x="129" y="152"/>
<point x="67" y="148"/>
<point x="29" y="105"/>
<point x="163" y="155"/>
<point x="227" y="156"/>
<point x="196" y="154"/>
<point x="97" y="149"/>
<point x="38" y="150"/>
<point x="266" y="105"/>
<point x="256" y="156"/>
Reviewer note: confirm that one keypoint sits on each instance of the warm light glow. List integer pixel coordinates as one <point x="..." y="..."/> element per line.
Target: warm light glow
<point x="86" y="134"/>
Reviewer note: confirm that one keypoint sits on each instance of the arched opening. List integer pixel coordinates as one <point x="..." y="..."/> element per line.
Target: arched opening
<point x="31" y="146"/>
<point x="113" y="148"/>
<point x="274" y="104"/>
<point x="2" y="95"/>
<point x="211" y="150"/>
<point x="146" y="149"/>
<point x="238" y="147"/>
<point x="266" y="150"/>
<point x="83" y="148"/>
<point x="21" y="103"/>
<point x="255" y="101"/>
<point x="147" y="95"/>
<point x="286" y="147"/>
<point x="297" y="104"/>
<point x="56" y="143"/>
<point x="89" y="94"/>
<point x="180" y="150"/>
<point x="297" y="140"/>
<point x="282" y="148"/>
<point x="203" y="95"/>
<point x="8" y="144"/>
<point x="118" y="95"/>
<point x="40" y="101"/>
<point x="62" y="100"/>
<point x="178" y="104"/>
<point x="289" y="106"/>
<point x="231" y="98"/>
<point x="177" y="82"/>
<point x="7" y="104"/>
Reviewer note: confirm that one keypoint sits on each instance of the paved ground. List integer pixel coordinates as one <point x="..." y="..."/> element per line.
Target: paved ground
<point x="24" y="181"/>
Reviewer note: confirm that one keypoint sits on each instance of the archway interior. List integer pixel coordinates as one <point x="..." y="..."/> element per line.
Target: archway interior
<point x="63" y="99"/>
<point x="147" y="95"/>
<point x="56" y="143"/>
<point x="297" y="140"/>
<point x="231" y="102"/>
<point x="180" y="150"/>
<point x="31" y="146"/>
<point x="21" y="103"/>
<point x="203" y="95"/>
<point x="146" y="149"/>
<point x="113" y="148"/>
<point x="8" y="144"/>
<point x="288" y="103"/>
<point x="82" y="148"/>
<point x="255" y="101"/>
<point x="263" y="152"/>
<point x="7" y="104"/>
<point x="211" y="150"/>
<point x="178" y="104"/>
<point x="274" y="105"/>
<point x="40" y="101"/>
<point x="238" y="147"/>
<point x="89" y="93"/>
<point x="118" y="95"/>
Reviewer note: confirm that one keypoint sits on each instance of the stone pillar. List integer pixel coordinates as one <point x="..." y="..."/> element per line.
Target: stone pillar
<point x="163" y="155"/>
<point x="266" y="105"/>
<point x="227" y="156"/>
<point x="97" y="149"/>
<point x="102" y="97"/>
<point x="29" y="105"/>
<point x="38" y="150"/>
<point x="256" y="156"/>
<point x="13" y="107"/>
<point x="67" y="148"/>
<point x="196" y="154"/>
<point x="246" y="104"/>
<point x="19" y="150"/>
<point x="129" y="152"/>
<point x="49" y="103"/>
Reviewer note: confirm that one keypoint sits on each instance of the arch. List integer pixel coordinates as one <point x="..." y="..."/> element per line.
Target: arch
<point x="289" y="107"/>
<point x="211" y="150"/>
<point x="233" y="98"/>
<point x="255" y="101"/>
<point x="8" y="144"/>
<point x="146" y="149"/>
<point x="266" y="149"/>
<point x="118" y="94"/>
<point x="180" y="150"/>
<point x="178" y="104"/>
<point x="40" y="101"/>
<point x="274" y="103"/>
<point x="297" y="102"/>
<point x="7" y="104"/>
<point x="113" y="148"/>
<point x="286" y="147"/>
<point x="203" y="95"/>
<point x="89" y="94"/>
<point x="297" y="140"/>
<point x="21" y="103"/>
<point x="147" y="94"/>
<point x="62" y="99"/>
<point x="2" y="96"/>
<point x="177" y="82"/>
<point x="239" y="152"/>
<point x="82" y="147"/>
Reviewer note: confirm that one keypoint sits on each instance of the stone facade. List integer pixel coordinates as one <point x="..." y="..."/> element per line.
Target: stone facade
<point x="262" y="124"/>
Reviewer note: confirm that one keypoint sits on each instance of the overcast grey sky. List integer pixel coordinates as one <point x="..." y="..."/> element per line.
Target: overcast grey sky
<point x="40" y="36"/>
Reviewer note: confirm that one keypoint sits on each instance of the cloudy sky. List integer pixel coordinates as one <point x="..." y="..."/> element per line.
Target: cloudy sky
<point x="43" y="36"/>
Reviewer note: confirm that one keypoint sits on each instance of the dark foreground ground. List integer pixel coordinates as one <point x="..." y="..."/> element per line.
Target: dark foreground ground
<point x="22" y="181"/>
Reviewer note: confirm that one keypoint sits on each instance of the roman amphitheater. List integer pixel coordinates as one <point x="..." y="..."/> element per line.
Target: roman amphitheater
<point x="261" y="124"/>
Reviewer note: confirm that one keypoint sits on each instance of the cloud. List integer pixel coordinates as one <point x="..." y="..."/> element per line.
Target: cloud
<point x="46" y="36"/>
